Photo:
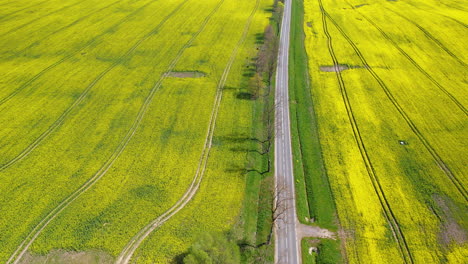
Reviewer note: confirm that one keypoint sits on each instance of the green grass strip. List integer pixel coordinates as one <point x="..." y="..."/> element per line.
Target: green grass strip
<point x="315" y="199"/>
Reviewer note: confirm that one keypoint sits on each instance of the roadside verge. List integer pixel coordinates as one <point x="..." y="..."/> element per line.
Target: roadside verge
<point x="314" y="198"/>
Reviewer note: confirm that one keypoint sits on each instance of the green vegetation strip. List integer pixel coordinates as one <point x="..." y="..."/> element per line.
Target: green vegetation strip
<point x="314" y="198"/>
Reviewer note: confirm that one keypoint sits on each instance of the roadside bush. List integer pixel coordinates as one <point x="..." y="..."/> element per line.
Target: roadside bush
<point x="213" y="248"/>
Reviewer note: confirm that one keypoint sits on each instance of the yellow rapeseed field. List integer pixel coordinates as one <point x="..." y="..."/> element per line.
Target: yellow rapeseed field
<point x="389" y="86"/>
<point x="97" y="138"/>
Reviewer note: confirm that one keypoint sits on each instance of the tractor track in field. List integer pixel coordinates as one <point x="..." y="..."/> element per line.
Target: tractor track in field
<point x="71" y="54"/>
<point x="19" y="10"/>
<point x="387" y="210"/>
<point x="430" y="36"/>
<point x="459" y="8"/>
<point x="80" y="19"/>
<point x="31" y="237"/>
<point x="65" y="114"/>
<point x="8" y="3"/>
<point x="455" y="20"/>
<point x="436" y="13"/>
<point x="41" y="17"/>
<point x="128" y="251"/>
<point x="415" y="64"/>
<point x="442" y="165"/>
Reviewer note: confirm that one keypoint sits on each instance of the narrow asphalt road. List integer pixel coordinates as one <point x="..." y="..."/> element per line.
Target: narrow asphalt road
<point x="287" y="244"/>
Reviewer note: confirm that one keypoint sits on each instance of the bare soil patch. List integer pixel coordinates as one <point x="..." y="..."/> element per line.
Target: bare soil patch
<point x="343" y="67"/>
<point x="314" y="231"/>
<point x="339" y="67"/>
<point x="69" y="257"/>
<point x="186" y="74"/>
<point x="334" y="68"/>
<point x="361" y="5"/>
<point x="451" y="231"/>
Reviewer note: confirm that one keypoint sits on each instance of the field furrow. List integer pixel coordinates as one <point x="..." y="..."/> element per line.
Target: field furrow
<point x="425" y="73"/>
<point x="69" y="55"/>
<point x="442" y="165"/>
<point x="389" y="215"/>
<point x="430" y="36"/>
<point x="139" y="116"/>
<point x="85" y="92"/>
<point x="382" y="118"/>
<point x="19" y="252"/>
<point x="45" y="16"/>
<point x="112" y="122"/>
<point x="7" y="15"/>
<point x="127" y="253"/>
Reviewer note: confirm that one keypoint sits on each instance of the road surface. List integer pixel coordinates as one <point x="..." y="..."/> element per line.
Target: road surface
<point x="287" y="244"/>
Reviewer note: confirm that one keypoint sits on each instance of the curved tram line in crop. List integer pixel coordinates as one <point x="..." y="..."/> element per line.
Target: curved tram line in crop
<point x="31" y="237"/>
<point x="387" y="210"/>
<point x="429" y="36"/>
<point x="72" y="53"/>
<point x="436" y="13"/>
<point x="128" y="251"/>
<point x="8" y="3"/>
<point x="65" y="114"/>
<point x="453" y="178"/>
<point x="80" y="19"/>
<point x="41" y="17"/>
<point x="19" y="10"/>
<point x="406" y="55"/>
